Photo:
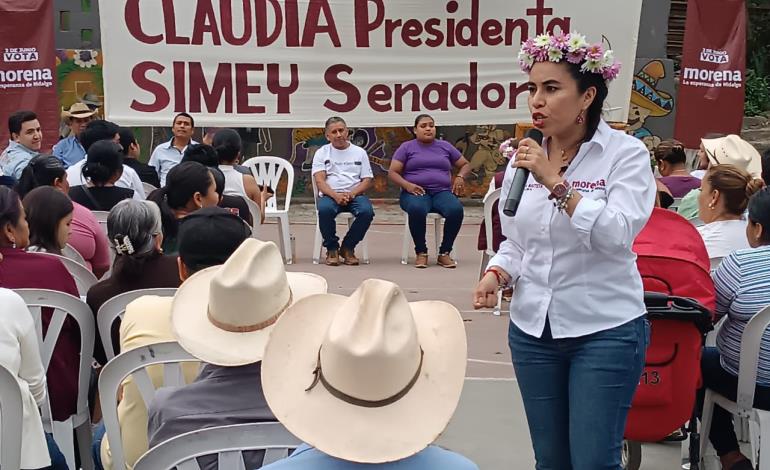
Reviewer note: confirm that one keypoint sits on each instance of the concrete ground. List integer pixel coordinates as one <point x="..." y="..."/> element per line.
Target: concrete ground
<point x="489" y="426"/>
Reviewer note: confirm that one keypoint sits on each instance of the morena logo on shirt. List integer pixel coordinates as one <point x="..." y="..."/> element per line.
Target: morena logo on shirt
<point x="582" y="186"/>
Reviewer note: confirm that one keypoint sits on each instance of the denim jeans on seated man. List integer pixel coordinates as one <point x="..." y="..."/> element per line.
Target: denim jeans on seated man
<point x="443" y="203"/>
<point x="328" y="209"/>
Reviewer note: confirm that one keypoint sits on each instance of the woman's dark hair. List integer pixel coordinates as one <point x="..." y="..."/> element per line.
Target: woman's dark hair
<point x="420" y="117"/>
<point x="10" y="210"/>
<point x="140" y="223"/>
<point x="103" y="161"/>
<point x="766" y="167"/>
<point x="127" y="138"/>
<point x="201" y="153"/>
<point x="584" y="82"/>
<point x="46" y="207"/>
<point x="735" y="185"/>
<point x="219" y="180"/>
<point x="42" y="170"/>
<point x="759" y="212"/>
<point x="97" y="130"/>
<point x="182" y="182"/>
<point x="227" y="144"/>
<point x="671" y="151"/>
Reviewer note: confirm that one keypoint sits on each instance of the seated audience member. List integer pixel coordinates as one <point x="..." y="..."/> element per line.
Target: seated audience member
<point x="702" y="162"/>
<point x="422" y="167"/>
<point x="104" y="165"/>
<point x="227" y="144"/>
<point x="69" y="150"/>
<point x="766" y="167"/>
<point x="742" y="284"/>
<point x="367" y="397"/>
<point x="49" y="215"/>
<point x="207" y="156"/>
<point x="342" y="174"/>
<point x="206" y="238"/>
<point x="214" y="317"/>
<point x="672" y="161"/>
<point x="189" y="186"/>
<point x="104" y="130"/>
<point x="497" y="232"/>
<point x="134" y="229"/>
<point x="23" y="270"/>
<point x="25" y="143"/>
<point x="87" y="237"/>
<point x="20" y="354"/>
<point x="167" y="155"/>
<point x="728" y="150"/>
<point x="131" y="152"/>
<point x="724" y="196"/>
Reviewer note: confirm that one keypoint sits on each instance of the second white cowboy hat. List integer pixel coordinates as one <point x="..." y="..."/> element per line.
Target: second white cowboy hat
<point x="79" y="110"/>
<point x="732" y="150"/>
<point x="369" y="378"/>
<point x="223" y="315"/>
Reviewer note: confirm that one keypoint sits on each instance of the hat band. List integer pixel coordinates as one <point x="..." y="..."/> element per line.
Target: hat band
<point x="319" y="377"/>
<point x="249" y="328"/>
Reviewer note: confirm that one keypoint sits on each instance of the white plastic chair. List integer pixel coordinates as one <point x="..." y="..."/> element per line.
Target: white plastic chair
<point x="101" y="217"/>
<point x="268" y="171"/>
<point x="69" y="252"/>
<point x="489" y="201"/>
<point x="318" y="242"/>
<point x="66" y="305"/>
<point x="715" y="262"/>
<point x="83" y="276"/>
<point x="148" y="188"/>
<point x="675" y="205"/>
<point x="256" y="216"/>
<point x="12" y="420"/>
<point x="114" y="308"/>
<point x="438" y="223"/>
<point x="228" y="442"/>
<point x="743" y="407"/>
<point x="135" y="363"/>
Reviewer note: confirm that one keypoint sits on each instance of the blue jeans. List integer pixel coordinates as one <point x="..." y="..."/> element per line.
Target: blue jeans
<point x="715" y="377"/>
<point x="96" y="446"/>
<point x="328" y="210"/>
<point x="418" y="207"/>
<point x="577" y="393"/>
<point x="58" y="462"/>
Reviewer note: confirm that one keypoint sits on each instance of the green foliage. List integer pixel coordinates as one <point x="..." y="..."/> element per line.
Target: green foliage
<point x="758" y="62"/>
<point x="757" y="93"/>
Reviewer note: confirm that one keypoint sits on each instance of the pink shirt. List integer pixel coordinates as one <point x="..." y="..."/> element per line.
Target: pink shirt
<point x="89" y="239"/>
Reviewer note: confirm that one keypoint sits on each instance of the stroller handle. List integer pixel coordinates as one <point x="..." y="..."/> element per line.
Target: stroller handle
<point x="671" y="307"/>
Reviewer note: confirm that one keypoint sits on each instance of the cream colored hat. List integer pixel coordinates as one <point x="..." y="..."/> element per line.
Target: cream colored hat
<point x="223" y="315"/>
<point x="732" y="150"/>
<point x="369" y="378"/>
<point x="79" y="110"/>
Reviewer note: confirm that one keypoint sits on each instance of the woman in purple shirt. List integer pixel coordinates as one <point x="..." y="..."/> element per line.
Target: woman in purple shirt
<point x="423" y="169"/>
<point x="672" y="165"/>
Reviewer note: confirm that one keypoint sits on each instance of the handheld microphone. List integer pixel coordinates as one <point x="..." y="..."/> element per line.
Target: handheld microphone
<point x="520" y="177"/>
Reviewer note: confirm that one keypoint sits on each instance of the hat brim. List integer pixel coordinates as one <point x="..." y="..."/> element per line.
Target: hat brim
<point x="350" y="432"/>
<point x="753" y="166"/>
<point x="198" y="336"/>
<point x="68" y="115"/>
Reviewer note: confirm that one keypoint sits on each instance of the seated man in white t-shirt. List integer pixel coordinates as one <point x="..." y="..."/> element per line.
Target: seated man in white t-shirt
<point x="342" y="174"/>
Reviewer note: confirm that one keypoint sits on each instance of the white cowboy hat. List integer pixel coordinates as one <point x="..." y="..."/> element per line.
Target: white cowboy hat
<point x="79" y="110"/>
<point x="369" y="378"/>
<point x="223" y="315"/>
<point x="732" y="150"/>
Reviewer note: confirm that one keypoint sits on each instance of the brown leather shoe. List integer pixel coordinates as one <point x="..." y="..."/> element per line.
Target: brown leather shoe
<point x="446" y="261"/>
<point x="348" y="257"/>
<point x="332" y="258"/>
<point x="421" y="260"/>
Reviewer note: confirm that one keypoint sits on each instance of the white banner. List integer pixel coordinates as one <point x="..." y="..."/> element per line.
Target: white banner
<point x="293" y="63"/>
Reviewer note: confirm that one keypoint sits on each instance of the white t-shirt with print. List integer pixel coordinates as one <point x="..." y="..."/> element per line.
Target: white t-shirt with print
<point x="344" y="168"/>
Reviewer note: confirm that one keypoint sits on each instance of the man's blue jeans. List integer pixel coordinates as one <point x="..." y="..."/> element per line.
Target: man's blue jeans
<point x="328" y="210"/>
<point x="418" y="207"/>
<point x="577" y="393"/>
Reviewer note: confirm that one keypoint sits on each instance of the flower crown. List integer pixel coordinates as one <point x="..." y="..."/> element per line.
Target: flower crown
<point x="572" y="47"/>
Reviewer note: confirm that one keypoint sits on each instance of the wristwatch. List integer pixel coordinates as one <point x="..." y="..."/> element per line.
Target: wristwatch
<point x="559" y="190"/>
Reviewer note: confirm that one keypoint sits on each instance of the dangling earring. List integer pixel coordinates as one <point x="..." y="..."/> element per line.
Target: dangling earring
<point x="580" y="119"/>
<point x="13" y="243"/>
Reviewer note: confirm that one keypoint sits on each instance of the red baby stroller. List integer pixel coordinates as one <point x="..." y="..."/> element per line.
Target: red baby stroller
<point x="679" y="296"/>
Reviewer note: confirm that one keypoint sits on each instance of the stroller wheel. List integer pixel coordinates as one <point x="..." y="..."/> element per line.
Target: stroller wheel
<point x="631" y="458"/>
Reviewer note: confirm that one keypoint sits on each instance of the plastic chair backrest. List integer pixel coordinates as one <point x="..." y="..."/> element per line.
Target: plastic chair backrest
<point x="315" y="191"/>
<point x="148" y="188"/>
<point x="11" y="421"/>
<point x="715" y="262"/>
<point x="228" y="442"/>
<point x="489" y="201"/>
<point x="69" y="252"/>
<point x="64" y="305"/>
<point x="750" y="351"/>
<point x="116" y="307"/>
<point x="269" y="170"/>
<point x="84" y="278"/>
<point x="135" y="363"/>
<point x="675" y="205"/>
<point x="101" y="217"/>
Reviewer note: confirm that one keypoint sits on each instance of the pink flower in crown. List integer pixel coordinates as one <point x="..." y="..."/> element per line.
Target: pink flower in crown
<point x="612" y="72"/>
<point x="560" y="41"/>
<point x="576" y="57"/>
<point x="541" y="54"/>
<point x="595" y="53"/>
<point x="529" y="46"/>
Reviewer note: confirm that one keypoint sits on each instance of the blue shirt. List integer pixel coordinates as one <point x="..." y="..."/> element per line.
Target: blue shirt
<point x="69" y="151"/>
<point x="432" y="458"/>
<point x="165" y="157"/>
<point x="742" y="283"/>
<point x="15" y="158"/>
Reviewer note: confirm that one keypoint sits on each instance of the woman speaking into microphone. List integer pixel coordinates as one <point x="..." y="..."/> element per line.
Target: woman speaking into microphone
<point x="577" y="333"/>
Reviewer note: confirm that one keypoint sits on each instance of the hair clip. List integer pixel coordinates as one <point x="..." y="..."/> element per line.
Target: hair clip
<point x="124" y="248"/>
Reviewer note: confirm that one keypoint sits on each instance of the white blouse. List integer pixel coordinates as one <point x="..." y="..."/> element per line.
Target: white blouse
<point x="580" y="271"/>
<point x="20" y="354"/>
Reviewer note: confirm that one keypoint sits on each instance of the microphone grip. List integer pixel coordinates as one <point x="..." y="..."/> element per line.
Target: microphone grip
<point x="520" y="177"/>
